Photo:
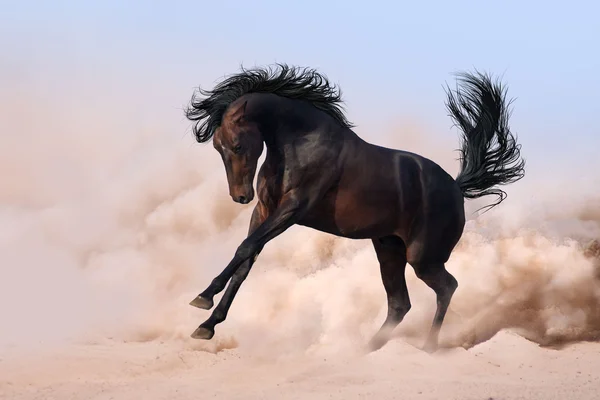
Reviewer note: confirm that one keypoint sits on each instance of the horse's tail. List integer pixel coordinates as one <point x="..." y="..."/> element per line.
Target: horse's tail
<point x="489" y="153"/>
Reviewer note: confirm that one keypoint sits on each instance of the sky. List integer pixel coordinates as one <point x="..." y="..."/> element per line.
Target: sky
<point x="391" y="60"/>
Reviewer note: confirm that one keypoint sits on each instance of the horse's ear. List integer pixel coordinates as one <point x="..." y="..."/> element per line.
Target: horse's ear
<point x="238" y="115"/>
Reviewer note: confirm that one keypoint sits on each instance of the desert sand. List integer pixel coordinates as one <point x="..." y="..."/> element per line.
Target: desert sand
<point x="506" y="367"/>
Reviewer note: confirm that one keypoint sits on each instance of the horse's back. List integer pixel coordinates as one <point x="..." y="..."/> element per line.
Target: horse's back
<point x="383" y="192"/>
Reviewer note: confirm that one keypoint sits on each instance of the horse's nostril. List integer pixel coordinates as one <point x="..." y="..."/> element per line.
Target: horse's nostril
<point x="242" y="199"/>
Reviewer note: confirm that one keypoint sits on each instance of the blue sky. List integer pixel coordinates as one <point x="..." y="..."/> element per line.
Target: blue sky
<point x="390" y="58"/>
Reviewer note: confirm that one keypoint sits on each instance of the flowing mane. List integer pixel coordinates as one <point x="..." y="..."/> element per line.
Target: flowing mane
<point x="291" y="82"/>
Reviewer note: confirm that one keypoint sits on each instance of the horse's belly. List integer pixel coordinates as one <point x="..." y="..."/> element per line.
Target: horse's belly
<point x="353" y="216"/>
<point x="342" y="231"/>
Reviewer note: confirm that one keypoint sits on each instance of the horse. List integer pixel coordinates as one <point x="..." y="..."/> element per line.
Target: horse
<point x="318" y="173"/>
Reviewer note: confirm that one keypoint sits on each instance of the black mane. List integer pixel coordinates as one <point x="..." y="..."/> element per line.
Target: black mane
<point x="291" y="82"/>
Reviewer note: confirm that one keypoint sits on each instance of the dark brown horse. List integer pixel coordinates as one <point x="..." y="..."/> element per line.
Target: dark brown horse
<point x="318" y="173"/>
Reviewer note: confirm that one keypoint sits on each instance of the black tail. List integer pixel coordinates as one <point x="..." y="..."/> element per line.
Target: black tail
<point x="489" y="154"/>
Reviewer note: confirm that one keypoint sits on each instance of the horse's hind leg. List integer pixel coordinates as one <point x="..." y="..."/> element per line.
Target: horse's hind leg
<point x="391" y="254"/>
<point x="444" y="285"/>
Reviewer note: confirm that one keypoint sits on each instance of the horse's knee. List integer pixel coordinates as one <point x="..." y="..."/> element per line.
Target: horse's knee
<point x="246" y="251"/>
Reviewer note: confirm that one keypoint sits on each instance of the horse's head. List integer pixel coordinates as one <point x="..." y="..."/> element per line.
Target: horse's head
<point x="239" y="142"/>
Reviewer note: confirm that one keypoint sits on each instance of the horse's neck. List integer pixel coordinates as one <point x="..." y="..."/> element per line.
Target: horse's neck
<point x="274" y="155"/>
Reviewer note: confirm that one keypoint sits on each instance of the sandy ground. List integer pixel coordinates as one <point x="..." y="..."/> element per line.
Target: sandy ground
<point x="506" y="367"/>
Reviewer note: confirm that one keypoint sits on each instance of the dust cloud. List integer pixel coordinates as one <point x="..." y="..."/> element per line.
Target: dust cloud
<point x="106" y="236"/>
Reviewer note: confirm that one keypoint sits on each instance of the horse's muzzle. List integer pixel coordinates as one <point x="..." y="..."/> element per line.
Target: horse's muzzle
<point x="243" y="197"/>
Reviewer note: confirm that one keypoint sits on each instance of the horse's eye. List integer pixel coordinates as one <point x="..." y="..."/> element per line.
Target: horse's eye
<point x="237" y="149"/>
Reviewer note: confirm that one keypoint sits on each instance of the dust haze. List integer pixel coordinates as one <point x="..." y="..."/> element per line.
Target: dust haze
<point x="108" y="230"/>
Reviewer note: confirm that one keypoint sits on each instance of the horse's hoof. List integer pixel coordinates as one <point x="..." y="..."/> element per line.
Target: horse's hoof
<point x="203" y="333"/>
<point x="202" y="302"/>
<point x="376" y="343"/>
<point x="430" y="348"/>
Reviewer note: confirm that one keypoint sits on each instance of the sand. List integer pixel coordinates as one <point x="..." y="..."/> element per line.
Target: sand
<point x="506" y="367"/>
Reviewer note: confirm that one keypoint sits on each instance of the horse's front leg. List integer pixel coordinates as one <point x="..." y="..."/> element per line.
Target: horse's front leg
<point x="205" y="299"/>
<point x="289" y="211"/>
<point x="207" y="329"/>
